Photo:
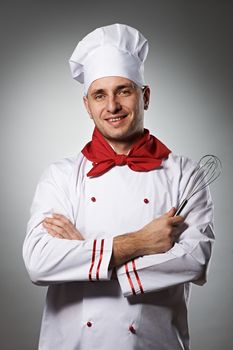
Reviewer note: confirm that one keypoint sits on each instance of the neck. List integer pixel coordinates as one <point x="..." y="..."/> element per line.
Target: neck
<point x="123" y="147"/>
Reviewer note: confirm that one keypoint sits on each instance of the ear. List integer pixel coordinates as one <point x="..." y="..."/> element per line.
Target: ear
<point x="86" y="104"/>
<point x="146" y="97"/>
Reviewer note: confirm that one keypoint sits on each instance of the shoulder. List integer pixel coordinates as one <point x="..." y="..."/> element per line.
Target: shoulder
<point x="175" y="162"/>
<point x="63" y="168"/>
<point x="178" y="168"/>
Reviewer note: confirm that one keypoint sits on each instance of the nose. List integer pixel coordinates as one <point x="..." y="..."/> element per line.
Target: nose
<point x="113" y="105"/>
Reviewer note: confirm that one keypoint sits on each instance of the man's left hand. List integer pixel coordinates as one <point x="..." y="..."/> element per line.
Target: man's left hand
<point x="59" y="226"/>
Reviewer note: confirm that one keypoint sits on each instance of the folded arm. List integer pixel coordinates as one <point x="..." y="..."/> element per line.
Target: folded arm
<point x="156" y="256"/>
<point x="185" y="261"/>
<point x="50" y="259"/>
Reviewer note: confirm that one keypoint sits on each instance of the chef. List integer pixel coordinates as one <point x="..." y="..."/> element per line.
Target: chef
<point x="102" y="234"/>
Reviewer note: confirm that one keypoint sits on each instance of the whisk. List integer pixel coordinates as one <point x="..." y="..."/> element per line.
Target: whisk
<point x="208" y="169"/>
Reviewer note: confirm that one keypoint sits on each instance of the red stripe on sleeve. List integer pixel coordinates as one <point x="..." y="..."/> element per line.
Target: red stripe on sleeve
<point x="129" y="279"/>
<point x="100" y="259"/>
<point x="92" y="260"/>
<point x="137" y="276"/>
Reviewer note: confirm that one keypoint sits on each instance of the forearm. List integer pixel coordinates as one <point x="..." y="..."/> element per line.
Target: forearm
<point x="186" y="261"/>
<point x="53" y="260"/>
<point x="132" y="245"/>
<point x="125" y="248"/>
<point x="156" y="237"/>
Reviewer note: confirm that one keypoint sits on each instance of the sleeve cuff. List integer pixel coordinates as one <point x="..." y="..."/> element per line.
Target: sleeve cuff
<point x="129" y="279"/>
<point x="100" y="259"/>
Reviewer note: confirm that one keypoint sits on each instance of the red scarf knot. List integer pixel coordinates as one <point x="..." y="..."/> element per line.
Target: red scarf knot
<point x="145" y="155"/>
<point x="120" y="159"/>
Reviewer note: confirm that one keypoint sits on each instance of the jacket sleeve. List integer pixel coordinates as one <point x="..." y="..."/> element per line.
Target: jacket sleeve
<point x="187" y="260"/>
<point x="52" y="260"/>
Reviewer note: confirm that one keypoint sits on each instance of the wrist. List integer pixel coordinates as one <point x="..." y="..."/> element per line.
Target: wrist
<point x="137" y="243"/>
<point x="126" y="247"/>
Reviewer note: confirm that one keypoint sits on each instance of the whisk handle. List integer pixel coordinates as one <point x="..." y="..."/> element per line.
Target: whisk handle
<point x="181" y="207"/>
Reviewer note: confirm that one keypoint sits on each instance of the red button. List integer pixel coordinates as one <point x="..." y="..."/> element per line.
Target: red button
<point x="93" y="199"/>
<point x="132" y="329"/>
<point x="146" y="200"/>
<point x="89" y="324"/>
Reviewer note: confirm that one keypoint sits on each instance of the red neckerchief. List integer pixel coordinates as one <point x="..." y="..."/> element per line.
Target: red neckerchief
<point x="145" y="155"/>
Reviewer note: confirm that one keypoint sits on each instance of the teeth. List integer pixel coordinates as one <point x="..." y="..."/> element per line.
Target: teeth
<point x="115" y="119"/>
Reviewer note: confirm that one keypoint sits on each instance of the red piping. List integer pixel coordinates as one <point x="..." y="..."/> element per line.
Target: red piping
<point x="92" y="260"/>
<point x="100" y="259"/>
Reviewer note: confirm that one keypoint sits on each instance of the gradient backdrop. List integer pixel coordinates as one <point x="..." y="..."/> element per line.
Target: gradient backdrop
<point x="189" y="69"/>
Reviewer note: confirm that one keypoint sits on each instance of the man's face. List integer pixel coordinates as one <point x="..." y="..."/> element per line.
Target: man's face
<point x="116" y="105"/>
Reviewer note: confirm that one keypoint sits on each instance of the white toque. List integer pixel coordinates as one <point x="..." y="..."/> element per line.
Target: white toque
<point x="114" y="50"/>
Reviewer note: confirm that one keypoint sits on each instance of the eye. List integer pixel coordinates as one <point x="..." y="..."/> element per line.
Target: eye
<point x="125" y="92"/>
<point x="99" y="97"/>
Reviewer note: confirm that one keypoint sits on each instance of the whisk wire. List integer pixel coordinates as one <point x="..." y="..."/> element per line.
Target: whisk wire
<point x="204" y="176"/>
<point x="207" y="171"/>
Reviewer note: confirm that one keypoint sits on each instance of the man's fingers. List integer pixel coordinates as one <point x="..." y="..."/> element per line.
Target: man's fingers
<point x="54" y="233"/>
<point x="176" y="220"/>
<point x="64" y="225"/>
<point x="170" y="213"/>
<point x="63" y="219"/>
<point x="60" y="224"/>
<point x="57" y="221"/>
<point x="56" y="229"/>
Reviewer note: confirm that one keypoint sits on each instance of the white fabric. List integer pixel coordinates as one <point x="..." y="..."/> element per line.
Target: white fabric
<point x="114" y="50"/>
<point x="101" y="208"/>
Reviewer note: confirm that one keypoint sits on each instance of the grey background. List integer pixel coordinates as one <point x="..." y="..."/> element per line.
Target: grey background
<point x="189" y="69"/>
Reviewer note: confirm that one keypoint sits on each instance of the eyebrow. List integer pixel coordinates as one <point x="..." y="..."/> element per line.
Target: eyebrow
<point x="117" y="88"/>
<point x="97" y="91"/>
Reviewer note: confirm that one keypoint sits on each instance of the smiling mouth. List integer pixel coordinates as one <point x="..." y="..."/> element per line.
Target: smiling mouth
<point x="116" y="119"/>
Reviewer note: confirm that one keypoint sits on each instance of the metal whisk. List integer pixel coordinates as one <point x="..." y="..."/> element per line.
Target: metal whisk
<point x="207" y="171"/>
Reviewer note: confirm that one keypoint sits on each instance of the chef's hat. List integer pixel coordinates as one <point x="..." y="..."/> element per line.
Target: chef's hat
<point x="114" y="50"/>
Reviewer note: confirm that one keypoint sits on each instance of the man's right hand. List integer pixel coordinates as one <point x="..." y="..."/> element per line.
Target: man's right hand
<point x="160" y="234"/>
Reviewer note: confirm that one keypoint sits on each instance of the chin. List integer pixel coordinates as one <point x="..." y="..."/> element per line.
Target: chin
<point x="118" y="132"/>
<point x="120" y="136"/>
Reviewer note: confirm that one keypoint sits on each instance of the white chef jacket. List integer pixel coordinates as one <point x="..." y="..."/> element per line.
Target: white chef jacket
<point x="144" y="305"/>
